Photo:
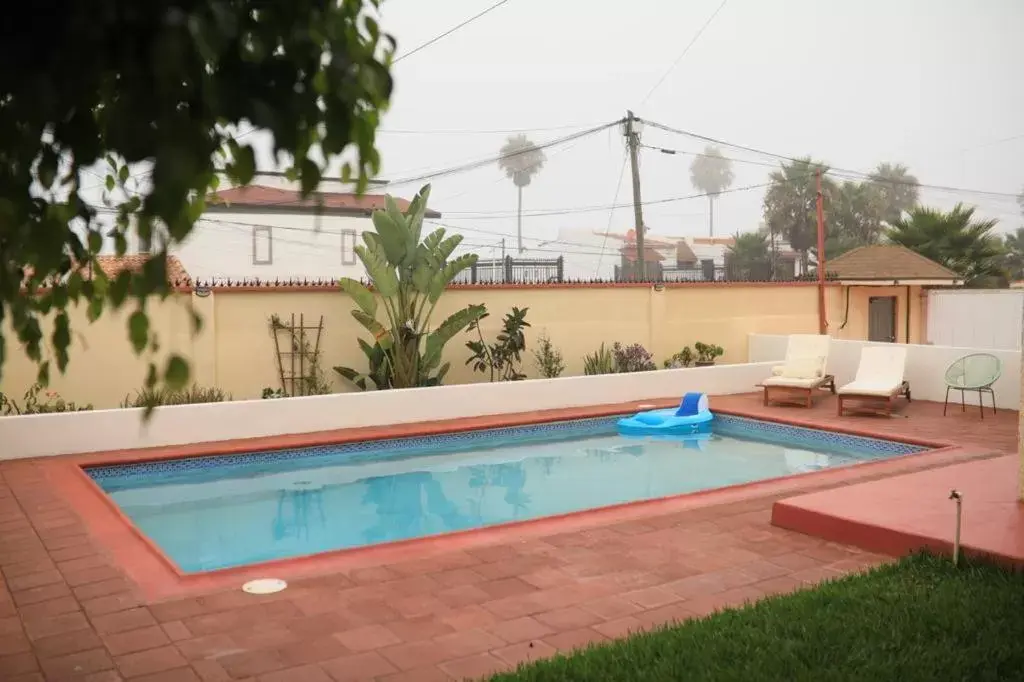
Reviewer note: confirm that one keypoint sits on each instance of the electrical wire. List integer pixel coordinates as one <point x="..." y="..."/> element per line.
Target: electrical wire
<point x="611" y="212"/>
<point x="601" y="208"/>
<point x="682" y="54"/>
<point x="491" y="131"/>
<point x="834" y="170"/>
<point x="583" y="250"/>
<point x="672" y="152"/>
<point x="450" y="31"/>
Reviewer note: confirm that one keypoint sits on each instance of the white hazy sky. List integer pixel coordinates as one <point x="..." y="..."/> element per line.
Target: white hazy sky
<point x="933" y="84"/>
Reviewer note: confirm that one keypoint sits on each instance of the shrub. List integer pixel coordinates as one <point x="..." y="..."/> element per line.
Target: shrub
<point x="269" y="392"/>
<point x="683" y="358"/>
<point x="548" y="359"/>
<point x="632" y="358"/>
<point x="502" y="358"/>
<point x="599" y="362"/>
<point x="31" y="404"/>
<point x="706" y="353"/>
<point x="187" y="396"/>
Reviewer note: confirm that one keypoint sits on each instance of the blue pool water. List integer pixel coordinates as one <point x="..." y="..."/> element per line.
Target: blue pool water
<point x="217" y="512"/>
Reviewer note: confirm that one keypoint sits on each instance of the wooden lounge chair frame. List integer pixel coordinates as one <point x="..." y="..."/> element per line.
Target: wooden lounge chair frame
<point x="874" y="402"/>
<point x="798" y="395"/>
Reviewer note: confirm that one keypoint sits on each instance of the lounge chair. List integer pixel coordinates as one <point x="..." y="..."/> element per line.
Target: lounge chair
<point x="802" y="372"/>
<point x="879" y="378"/>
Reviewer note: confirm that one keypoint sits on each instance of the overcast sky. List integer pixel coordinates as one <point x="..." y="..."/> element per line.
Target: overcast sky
<point x="934" y="84"/>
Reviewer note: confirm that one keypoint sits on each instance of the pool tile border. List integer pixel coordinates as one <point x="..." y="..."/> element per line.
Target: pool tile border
<point x="158" y="579"/>
<point x="375" y="450"/>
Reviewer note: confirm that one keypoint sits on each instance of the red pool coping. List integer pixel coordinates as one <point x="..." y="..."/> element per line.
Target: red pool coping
<point x="158" y="578"/>
<point x="903" y="514"/>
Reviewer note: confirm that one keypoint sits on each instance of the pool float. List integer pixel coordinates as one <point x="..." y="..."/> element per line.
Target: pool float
<point x="692" y="416"/>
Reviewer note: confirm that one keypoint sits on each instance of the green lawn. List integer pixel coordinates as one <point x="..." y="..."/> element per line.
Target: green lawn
<point x="918" y="620"/>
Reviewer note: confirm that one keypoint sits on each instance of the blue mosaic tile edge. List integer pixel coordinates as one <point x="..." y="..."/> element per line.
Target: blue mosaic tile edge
<point x="356" y="452"/>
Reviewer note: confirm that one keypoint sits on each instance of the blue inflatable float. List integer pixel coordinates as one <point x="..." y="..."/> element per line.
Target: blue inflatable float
<point x="692" y="416"/>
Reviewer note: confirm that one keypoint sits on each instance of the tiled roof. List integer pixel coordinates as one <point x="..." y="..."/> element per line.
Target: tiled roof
<point x="651" y="254"/>
<point x="260" y="196"/>
<point x="714" y="241"/>
<point x="114" y="265"/>
<point x="887" y="261"/>
<point x="649" y="241"/>
<point x="684" y="254"/>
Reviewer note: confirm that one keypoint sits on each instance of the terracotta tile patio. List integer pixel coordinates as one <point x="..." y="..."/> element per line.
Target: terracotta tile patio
<point x="68" y="612"/>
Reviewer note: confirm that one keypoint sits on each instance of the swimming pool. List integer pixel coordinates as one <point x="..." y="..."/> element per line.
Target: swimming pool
<point x="208" y="513"/>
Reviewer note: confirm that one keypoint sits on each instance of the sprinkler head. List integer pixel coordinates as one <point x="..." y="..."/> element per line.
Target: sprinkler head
<point x="955" y="495"/>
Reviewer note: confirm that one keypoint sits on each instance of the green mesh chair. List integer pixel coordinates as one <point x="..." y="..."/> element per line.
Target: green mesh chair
<point x="974" y="372"/>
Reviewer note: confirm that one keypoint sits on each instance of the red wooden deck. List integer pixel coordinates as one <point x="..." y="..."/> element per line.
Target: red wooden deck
<point x="70" y="608"/>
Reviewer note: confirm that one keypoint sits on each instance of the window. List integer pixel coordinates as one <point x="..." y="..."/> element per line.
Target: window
<point x="348" y="247"/>
<point x="262" y="246"/>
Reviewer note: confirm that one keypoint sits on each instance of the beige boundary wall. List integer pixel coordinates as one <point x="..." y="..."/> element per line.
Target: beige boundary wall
<point x="42" y="435"/>
<point x="236" y="352"/>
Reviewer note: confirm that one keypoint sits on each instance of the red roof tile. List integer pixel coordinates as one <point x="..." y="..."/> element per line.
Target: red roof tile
<point x="260" y="196"/>
<point x="886" y="261"/>
<point x="651" y="255"/>
<point x="112" y="266"/>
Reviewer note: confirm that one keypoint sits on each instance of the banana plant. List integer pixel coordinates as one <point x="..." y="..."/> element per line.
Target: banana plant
<point x="407" y="278"/>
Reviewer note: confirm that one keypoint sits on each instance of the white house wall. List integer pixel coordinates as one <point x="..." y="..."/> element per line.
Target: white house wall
<point x="299" y="245"/>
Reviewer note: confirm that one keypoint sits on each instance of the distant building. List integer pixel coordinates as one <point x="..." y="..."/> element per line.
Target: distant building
<point x="267" y="231"/>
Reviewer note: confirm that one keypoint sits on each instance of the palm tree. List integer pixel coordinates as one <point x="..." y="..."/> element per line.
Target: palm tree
<point x="954" y="239"/>
<point x="521" y="160"/>
<point x="748" y="258"/>
<point x="711" y="173"/>
<point x="790" y="204"/>
<point x="1014" y="260"/>
<point x="896" y="190"/>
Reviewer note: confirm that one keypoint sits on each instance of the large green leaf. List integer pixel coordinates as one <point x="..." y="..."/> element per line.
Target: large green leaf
<point x="443" y="277"/>
<point x="357" y="378"/>
<point x="414" y="217"/>
<point x="455" y="323"/>
<point x="380" y="271"/>
<point x="422" y="276"/>
<point x="392" y="233"/>
<point x="363" y="297"/>
<point x="446" y="247"/>
<point x="380" y="334"/>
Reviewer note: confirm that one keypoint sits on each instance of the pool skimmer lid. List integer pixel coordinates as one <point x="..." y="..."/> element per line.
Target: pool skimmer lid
<point x="264" y="586"/>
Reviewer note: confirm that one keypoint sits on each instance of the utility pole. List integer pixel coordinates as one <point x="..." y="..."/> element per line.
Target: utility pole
<point x="633" y="140"/>
<point x="822" y="324"/>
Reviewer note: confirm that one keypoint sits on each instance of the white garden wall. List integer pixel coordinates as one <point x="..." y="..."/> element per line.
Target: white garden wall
<point x="926" y="366"/>
<point x="101" y="430"/>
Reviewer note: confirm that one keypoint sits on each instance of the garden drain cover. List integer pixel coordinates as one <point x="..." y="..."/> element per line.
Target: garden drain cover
<point x="264" y="586"/>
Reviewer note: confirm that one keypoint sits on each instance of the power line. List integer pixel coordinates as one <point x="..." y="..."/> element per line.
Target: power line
<point x="472" y="165"/>
<point x="494" y="159"/>
<point x="615" y="199"/>
<point x="672" y="152"/>
<point x="450" y="31"/>
<point x="583" y="250"/>
<point x="834" y="170"/>
<point x="485" y="131"/>
<point x="682" y="54"/>
<point x="604" y="207"/>
<point x="310" y="230"/>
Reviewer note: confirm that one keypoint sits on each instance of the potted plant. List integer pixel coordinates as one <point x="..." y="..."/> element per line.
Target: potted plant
<point x="683" y="358"/>
<point x="706" y="353"/>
